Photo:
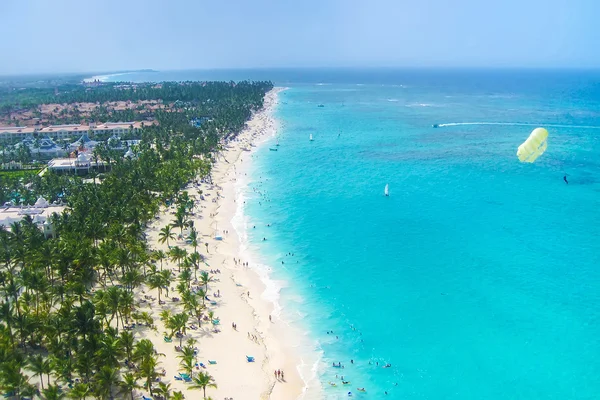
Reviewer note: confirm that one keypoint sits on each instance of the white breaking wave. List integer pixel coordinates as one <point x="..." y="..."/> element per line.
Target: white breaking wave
<point x="104" y="78"/>
<point x="420" y="105"/>
<point x="518" y="124"/>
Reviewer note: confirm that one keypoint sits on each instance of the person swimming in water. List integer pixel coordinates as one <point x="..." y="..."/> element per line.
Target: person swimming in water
<point x="565" y="179"/>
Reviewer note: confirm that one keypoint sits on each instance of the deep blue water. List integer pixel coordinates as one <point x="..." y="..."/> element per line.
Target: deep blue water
<point x="479" y="277"/>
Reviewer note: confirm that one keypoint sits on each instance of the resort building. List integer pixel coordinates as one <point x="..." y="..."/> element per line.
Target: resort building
<point x="40" y="212"/>
<point x="84" y="142"/>
<point x="116" y="143"/>
<point x="42" y="146"/>
<point x="81" y="164"/>
<point x="17" y="133"/>
<point x="14" y="133"/>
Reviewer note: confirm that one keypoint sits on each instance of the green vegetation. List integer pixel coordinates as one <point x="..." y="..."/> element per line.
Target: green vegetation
<point x="224" y="102"/>
<point x="19" y="173"/>
<point x="66" y="300"/>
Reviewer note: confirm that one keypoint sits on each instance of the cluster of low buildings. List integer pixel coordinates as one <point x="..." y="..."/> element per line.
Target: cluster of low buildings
<point x="12" y="134"/>
<point x="44" y="147"/>
<point x="39" y="212"/>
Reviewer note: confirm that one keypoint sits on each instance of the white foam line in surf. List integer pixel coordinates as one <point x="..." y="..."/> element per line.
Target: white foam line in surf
<point x="312" y="382"/>
<point x="518" y="124"/>
<point x="104" y="78"/>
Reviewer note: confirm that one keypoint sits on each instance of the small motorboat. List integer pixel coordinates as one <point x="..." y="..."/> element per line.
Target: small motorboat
<point x="435" y="125"/>
<point x="320" y="105"/>
<point x="272" y="148"/>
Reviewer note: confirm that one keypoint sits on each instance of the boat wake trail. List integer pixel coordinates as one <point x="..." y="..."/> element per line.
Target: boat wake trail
<point x="518" y="124"/>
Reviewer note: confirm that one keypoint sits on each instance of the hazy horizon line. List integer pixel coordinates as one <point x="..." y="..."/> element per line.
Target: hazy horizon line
<point x="299" y="68"/>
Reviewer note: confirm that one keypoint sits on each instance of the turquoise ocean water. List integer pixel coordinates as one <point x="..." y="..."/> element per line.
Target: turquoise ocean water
<point x="479" y="277"/>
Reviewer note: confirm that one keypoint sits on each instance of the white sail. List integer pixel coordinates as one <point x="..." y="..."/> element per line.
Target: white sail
<point x="311" y="137"/>
<point x="386" y="191"/>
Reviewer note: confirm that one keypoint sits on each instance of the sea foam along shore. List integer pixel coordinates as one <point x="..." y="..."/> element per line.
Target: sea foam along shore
<point x="241" y="299"/>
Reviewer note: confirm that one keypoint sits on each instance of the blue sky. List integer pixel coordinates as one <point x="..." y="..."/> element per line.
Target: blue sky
<point x="107" y="35"/>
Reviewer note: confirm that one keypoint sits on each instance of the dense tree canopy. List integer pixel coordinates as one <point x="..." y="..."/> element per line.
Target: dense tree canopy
<point x="56" y="330"/>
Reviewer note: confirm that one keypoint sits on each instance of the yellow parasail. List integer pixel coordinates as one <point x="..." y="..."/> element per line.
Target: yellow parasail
<point x="534" y="146"/>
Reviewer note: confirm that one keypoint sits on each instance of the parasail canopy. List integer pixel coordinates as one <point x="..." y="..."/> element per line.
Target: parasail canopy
<point x="534" y="146"/>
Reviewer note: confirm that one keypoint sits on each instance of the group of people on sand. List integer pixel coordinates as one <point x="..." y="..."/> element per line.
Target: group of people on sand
<point x="279" y="375"/>
<point x="237" y="261"/>
<point x="252" y="337"/>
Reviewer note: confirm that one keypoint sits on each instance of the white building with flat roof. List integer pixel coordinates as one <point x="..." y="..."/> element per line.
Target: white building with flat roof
<point x="40" y="212"/>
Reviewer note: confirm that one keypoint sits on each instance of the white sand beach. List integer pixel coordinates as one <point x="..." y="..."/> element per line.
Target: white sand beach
<point x="240" y="290"/>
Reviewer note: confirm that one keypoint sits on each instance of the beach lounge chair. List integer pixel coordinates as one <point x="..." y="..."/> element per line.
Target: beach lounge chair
<point x="178" y="378"/>
<point x="184" y="376"/>
<point x="168" y="339"/>
<point x="212" y="362"/>
<point x="250" y="358"/>
<point x="146" y="398"/>
<point x="213" y="303"/>
<point x="216" y="322"/>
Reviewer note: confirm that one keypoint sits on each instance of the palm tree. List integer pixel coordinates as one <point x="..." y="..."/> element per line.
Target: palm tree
<point x="205" y="279"/>
<point x="166" y="234"/>
<point x="165" y="278"/>
<point x="126" y="340"/>
<point x="148" y="371"/>
<point x="187" y="363"/>
<point x="129" y="384"/>
<point x="164" y="390"/>
<point x="178" y="396"/>
<point x="178" y="254"/>
<point x="179" y="222"/>
<point x="144" y="350"/>
<point x="155" y="281"/>
<point x="160" y="255"/>
<point x="105" y="380"/>
<point x="40" y="366"/>
<point x="79" y="392"/>
<point x="110" y="351"/>
<point x="178" y="323"/>
<point x="12" y="379"/>
<point x="195" y="258"/>
<point x="202" y="381"/>
<point x="194" y="239"/>
<point x="53" y="392"/>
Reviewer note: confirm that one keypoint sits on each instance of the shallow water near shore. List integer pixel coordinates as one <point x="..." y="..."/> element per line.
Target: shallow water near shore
<point x="478" y="276"/>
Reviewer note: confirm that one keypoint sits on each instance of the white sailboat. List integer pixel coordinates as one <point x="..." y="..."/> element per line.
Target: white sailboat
<point x="277" y="144"/>
<point x="386" y="191"/>
<point x="310" y="137"/>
